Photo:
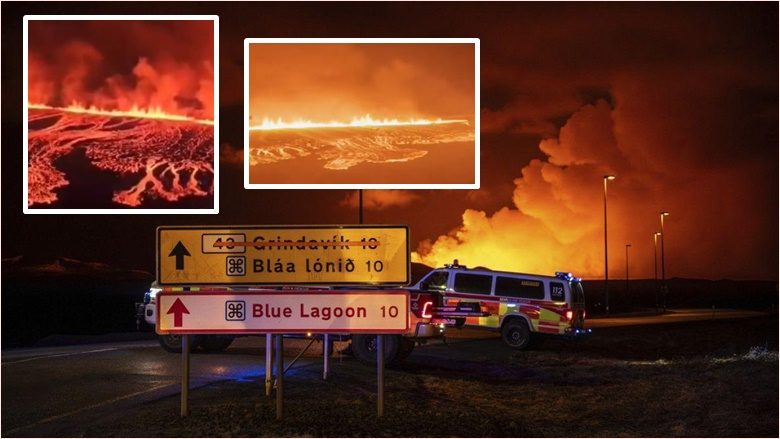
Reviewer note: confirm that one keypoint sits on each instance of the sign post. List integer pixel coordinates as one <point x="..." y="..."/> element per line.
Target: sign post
<point x="185" y="375"/>
<point x="290" y="312"/>
<point x="283" y="255"/>
<point x="380" y="375"/>
<point x="279" y="377"/>
<point x="269" y="351"/>
<point x="310" y="255"/>
<point x="325" y="356"/>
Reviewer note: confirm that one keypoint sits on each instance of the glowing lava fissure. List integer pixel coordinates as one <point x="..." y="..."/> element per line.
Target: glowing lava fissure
<point x="356" y="122"/>
<point x="133" y="112"/>
<point x="170" y="158"/>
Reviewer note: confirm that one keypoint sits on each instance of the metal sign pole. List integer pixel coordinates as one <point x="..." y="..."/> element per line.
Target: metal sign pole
<point x="325" y="356"/>
<point x="269" y="352"/>
<point x="380" y="375"/>
<point x="279" y="377"/>
<point x="185" y="374"/>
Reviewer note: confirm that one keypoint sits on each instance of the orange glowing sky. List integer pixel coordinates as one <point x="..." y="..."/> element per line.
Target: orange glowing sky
<point x="338" y="82"/>
<point x="123" y="66"/>
<point x="679" y="100"/>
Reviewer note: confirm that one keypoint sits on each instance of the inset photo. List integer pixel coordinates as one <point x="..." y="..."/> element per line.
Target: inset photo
<point x="121" y="114"/>
<point x="341" y="113"/>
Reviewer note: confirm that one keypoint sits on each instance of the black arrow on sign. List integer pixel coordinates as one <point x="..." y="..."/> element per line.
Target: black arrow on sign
<point x="180" y="251"/>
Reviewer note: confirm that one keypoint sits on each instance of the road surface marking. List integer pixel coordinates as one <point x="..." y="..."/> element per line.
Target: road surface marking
<point x="89" y="407"/>
<point x="40" y="357"/>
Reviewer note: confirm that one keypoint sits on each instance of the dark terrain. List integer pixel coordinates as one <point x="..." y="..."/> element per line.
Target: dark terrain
<point x="708" y="378"/>
<point x="705" y="379"/>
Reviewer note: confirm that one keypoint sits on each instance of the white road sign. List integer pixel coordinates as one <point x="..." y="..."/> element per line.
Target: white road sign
<point x="289" y="312"/>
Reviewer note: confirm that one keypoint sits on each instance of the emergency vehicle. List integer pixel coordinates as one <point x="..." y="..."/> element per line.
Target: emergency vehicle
<point x="426" y="319"/>
<point x="521" y="306"/>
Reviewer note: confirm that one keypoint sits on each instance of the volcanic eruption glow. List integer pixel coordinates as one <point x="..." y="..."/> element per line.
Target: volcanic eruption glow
<point x="109" y="107"/>
<point x="134" y="111"/>
<point x="362" y="121"/>
<point x="356" y="113"/>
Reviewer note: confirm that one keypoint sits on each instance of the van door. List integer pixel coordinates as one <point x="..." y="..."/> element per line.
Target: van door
<point x="467" y="287"/>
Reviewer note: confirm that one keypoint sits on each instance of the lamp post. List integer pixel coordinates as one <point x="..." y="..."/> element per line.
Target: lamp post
<point x="627" y="246"/>
<point x="655" y="266"/>
<point x="606" y="262"/>
<point x="360" y="205"/>
<point x="663" y="264"/>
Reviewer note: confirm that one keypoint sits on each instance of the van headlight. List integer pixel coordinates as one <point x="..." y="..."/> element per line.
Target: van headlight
<point x="151" y="294"/>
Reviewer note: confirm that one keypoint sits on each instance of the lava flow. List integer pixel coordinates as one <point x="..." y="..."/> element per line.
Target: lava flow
<point x="162" y="156"/>
<point x="342" y="145"/>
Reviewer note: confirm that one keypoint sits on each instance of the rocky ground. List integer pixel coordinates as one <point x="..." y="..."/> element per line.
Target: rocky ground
<point x="712" y="378"/>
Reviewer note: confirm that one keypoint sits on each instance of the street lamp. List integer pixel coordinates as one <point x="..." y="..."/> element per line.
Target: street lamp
<point x="663" y="265"/>
<point x="360" y="206"/>
<point x="627" y="246"/>
<point x="655" y="266"/>
<point x="606" y="263"/>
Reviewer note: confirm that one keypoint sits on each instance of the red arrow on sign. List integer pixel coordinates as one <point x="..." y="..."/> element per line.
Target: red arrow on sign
<point x="178" y="310"/>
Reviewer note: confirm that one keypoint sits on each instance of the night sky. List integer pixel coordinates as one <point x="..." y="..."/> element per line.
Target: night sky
<point x="680" y="101"/>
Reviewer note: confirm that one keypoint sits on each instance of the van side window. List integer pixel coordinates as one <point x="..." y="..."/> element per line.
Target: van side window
<point x="473" y="283"/>
<point x="515" y="287"/>
<point x="557" y="292"/>
<point x="436" y="281"/>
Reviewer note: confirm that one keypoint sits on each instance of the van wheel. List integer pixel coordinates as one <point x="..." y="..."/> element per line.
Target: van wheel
<point x="364" y="349"/>
<point x="172" y="342"/>
<point x="516" y="334"/>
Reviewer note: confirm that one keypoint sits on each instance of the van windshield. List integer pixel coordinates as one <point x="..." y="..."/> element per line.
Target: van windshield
<point x="437" y="280"/>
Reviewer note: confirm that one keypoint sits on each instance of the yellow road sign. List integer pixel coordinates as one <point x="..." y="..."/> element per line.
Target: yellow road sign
<point x="279" y="255"/>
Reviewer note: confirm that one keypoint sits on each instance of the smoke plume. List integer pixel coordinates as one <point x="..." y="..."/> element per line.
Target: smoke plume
<point x="120" y="65"/>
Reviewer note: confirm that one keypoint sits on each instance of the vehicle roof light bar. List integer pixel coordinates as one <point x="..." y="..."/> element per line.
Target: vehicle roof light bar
<point x="567" y="276"/>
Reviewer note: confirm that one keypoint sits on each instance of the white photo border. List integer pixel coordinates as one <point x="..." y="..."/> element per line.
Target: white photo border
<point x="118" y="211"/>
<point x="474" y="41"/>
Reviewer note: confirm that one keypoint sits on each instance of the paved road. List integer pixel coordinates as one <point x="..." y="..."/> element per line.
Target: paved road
<point x="55" y="391"/>
<point x="672" y="316"/>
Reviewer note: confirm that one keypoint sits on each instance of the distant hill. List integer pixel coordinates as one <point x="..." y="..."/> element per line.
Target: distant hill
<point x="419" y="271"/>
<point x="21" y="268"/>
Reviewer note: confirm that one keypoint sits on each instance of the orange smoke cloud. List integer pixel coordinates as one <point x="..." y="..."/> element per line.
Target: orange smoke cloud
<point x="231" y="156"/>
<point x="671" y="149"/>
<point x="83" y="63"/>
<point x="381" y="199"/>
